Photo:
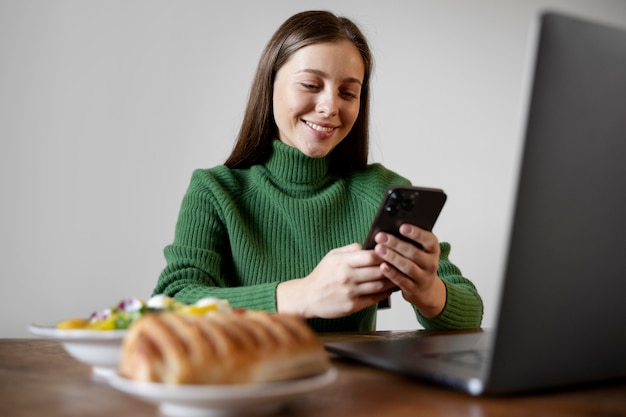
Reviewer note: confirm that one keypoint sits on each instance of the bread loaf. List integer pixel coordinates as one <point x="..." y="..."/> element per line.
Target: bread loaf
<point x="243" y="348"/>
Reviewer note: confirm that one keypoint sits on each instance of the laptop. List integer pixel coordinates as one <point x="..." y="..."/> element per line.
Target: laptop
<point x="562" y="310"/>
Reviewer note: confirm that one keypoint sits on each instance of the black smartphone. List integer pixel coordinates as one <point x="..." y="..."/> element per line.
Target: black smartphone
<point x="418" y="206"/>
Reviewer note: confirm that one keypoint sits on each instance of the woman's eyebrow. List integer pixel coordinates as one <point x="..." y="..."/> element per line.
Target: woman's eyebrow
<point x="324" y="75"/>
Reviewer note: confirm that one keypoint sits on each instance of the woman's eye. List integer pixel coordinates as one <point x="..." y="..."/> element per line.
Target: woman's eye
<point x="309" y="86"/>
<point x="349" y="94"/>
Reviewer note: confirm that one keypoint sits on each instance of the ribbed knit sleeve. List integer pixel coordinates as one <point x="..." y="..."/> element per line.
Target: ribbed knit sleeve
<point x="464" y="307"/>
<point x="199" y="259"/>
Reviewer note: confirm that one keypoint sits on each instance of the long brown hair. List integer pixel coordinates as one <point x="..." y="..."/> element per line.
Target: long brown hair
<point x="258" y="129"/>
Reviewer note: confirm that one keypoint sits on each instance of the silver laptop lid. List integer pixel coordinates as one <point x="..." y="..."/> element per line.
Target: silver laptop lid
<point x="564" y="292"/>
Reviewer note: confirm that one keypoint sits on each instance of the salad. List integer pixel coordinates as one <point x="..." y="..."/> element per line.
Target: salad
<point x="129" y="310"/>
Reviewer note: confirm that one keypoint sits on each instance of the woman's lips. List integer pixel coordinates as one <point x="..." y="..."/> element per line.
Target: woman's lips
<point x="325" y="129"/>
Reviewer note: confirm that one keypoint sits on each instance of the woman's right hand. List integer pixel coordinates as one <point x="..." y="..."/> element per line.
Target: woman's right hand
<point x="345" y="281"/>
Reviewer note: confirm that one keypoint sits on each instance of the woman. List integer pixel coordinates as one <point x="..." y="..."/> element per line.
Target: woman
<point x="276" y="227"/>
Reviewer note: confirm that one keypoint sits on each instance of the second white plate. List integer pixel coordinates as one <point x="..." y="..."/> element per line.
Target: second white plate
<point x="221" y="400"/>
<point x="98" y="348"/>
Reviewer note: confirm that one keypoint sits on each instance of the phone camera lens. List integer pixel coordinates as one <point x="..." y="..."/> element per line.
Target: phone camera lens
<point x="391" y="209"/>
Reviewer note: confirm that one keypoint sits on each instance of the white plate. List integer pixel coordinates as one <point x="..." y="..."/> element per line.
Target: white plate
<point x="98" y="348"/>
<point x="220" y="400"/>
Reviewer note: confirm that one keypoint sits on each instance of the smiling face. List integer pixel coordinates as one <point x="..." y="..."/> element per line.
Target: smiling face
<point x="317" y="96"/>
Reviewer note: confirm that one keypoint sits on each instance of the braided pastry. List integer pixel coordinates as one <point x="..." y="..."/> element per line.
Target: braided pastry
<point x="250" y="347"/>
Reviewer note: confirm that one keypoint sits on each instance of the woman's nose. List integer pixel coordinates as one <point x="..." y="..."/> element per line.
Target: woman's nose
<point x="327" y="104"/>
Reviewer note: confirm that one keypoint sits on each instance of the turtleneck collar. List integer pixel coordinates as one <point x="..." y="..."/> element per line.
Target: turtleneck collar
<point x="289" y="164"/>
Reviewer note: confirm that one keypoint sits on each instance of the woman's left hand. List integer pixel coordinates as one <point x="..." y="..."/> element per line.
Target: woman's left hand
<point x="413" y="268"/>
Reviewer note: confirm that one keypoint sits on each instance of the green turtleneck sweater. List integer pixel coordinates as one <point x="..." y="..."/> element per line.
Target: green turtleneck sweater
<point x="241" y="232"/>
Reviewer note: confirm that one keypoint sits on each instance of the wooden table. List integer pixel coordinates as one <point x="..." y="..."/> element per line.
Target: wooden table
<point x="38" y="378"/>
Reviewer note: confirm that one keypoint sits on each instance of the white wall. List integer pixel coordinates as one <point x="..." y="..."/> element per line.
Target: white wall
<point x="106" y="107"/>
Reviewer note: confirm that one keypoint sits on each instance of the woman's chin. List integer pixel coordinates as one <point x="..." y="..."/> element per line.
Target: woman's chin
<point x="317" y="150"/>
<point x="314" y="148"/>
